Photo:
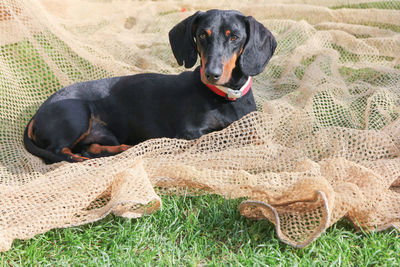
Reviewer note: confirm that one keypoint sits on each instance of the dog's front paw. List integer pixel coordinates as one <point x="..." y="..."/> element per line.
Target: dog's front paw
<point x="124" y="147"/>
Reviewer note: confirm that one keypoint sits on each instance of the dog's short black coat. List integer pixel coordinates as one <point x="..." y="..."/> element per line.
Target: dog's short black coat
<point x="105" y="117"/>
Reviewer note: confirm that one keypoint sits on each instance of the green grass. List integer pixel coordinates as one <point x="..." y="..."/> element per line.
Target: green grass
<point x="36" y="77"/>
<point x="379" y="4"/>
<point x="391" y="5"/>
<point x="299" y="71"/>
<point x="195" y="231"/>
<point x="32" y="70"/>
<point x="395" y="28"/>
<point x="347" y="56"/>
<point x="368" y="75"/>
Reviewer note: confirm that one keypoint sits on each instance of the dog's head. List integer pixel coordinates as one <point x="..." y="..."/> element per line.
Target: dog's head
<point x="225" y="40"/>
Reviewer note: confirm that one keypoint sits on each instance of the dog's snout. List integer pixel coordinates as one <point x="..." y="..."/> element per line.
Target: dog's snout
<point x="213" y="75"/>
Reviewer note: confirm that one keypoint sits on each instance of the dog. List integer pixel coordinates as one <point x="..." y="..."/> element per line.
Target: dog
<point x="105" y="117"/>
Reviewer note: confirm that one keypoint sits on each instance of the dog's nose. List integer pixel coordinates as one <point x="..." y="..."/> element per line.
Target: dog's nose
<point x="213" y="75"/>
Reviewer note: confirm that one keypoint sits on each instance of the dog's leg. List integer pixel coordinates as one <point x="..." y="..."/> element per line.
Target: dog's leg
<point x="101" y="150"/>
<point x="59" y="127"/>
<point x="100" y="142"/>
<point x="73" y="157"/>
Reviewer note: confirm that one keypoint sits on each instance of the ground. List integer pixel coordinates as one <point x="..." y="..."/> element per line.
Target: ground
<point x="197" y="231"/>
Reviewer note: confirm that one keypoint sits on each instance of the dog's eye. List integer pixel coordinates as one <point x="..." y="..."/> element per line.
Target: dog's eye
<point x="202" y="36"/>
<point x="234" y="38"/>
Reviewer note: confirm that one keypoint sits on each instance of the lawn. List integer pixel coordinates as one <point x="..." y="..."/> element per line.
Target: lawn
<point x="206" y="230"/>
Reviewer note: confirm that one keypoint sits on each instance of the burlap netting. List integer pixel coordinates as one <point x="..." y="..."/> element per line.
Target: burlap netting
<point x="323" y="145"/>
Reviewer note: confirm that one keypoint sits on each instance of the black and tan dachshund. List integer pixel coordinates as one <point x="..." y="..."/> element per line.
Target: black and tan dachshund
<point x="105" y="117"/>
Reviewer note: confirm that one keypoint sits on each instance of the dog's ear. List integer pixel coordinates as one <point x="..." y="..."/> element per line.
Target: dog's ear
<point x="182" y="41"/>
<point x="259" y="48"/>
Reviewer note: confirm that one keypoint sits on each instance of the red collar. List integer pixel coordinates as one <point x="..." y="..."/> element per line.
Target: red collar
<point x="229" y="93"/>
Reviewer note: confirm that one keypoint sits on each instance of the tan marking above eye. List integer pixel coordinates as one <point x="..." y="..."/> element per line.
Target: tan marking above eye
<point x="227" y="32"/>
<point x="209" y="32"/>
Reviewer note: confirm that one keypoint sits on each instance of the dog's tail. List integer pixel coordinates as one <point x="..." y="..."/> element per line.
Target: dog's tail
<point x="48" y="156"/>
